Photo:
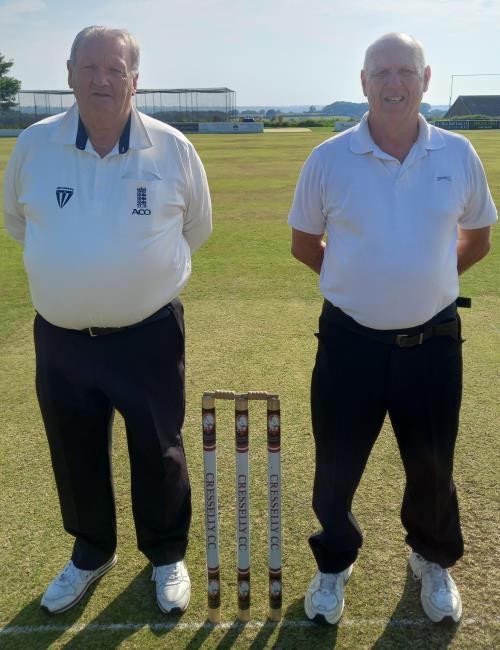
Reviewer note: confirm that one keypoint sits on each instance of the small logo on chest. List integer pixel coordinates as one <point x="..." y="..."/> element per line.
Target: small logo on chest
<point x="443" y="178"/>
<point x="63" y="195"/>
<point x="142" y="202"/>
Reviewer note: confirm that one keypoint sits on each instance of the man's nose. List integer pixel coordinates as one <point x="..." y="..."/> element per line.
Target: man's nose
<point x="100" y="77"/>
<point x="395" y="78"/>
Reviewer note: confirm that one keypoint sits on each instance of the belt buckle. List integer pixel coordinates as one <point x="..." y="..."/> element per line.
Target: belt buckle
<point x="402" y="342"/>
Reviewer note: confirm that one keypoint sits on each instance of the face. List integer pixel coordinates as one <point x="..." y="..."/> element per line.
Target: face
<point x="393" y="83"/>
<point x="102" y="81"/>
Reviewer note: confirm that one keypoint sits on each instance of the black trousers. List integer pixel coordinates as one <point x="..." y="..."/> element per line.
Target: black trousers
<point x="356" y="381"/>
<point x="80" y="381"/>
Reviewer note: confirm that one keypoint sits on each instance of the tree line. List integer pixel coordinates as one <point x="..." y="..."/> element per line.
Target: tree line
<point x="9" y="87"/>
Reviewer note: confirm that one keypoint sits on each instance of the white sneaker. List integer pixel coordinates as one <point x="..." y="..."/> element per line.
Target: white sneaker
<point x="439" y="594"/>
<point x="173" y="587"/>
<point x="69" y="587"/>
<point x="325" y="596"/>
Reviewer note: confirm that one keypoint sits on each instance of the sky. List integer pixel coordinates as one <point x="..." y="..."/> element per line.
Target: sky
<point x="271" y="52"/>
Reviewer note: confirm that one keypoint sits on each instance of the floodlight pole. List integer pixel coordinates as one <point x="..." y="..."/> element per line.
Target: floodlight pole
<point x="451" y="91"/>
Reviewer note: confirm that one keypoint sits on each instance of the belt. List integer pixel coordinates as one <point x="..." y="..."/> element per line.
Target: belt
<point x="103" y="331"/>
<point x="405" y="339"/>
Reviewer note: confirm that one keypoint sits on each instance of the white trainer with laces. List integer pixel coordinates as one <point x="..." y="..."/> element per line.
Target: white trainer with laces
<point x="325" y="596"/>
<point x="70" y="586"/>
<point x="439" y="594"/>
<point x="173" y="587"/>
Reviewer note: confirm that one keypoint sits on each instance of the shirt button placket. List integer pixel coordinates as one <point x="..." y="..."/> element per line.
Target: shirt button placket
<point x="100" y="184"/>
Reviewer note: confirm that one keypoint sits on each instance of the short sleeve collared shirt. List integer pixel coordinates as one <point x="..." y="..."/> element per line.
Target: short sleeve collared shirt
<point x="107" y="241"/>
<point x="390" y="259"/>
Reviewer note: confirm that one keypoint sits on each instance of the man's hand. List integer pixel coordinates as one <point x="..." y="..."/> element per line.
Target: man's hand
<point x="472" y="246"/>
<point x="308" y="249"/>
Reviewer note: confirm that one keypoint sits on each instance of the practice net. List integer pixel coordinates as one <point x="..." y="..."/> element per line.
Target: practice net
<point x="174" y="106"/>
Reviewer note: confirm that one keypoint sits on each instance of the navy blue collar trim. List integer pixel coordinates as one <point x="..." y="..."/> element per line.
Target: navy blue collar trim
<point x="123" y="145"/>
<point x="125" y="136"/>
<point x="81" y="136"/>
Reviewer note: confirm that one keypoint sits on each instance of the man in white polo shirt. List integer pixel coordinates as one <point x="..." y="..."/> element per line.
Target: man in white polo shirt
<point x="406" y="209"/>
<point x="110" y="204"/>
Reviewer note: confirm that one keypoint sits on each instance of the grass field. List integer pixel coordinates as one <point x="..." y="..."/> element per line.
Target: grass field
<point x="251" y="311"/>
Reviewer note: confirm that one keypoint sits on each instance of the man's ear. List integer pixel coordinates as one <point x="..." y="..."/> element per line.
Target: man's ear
<point x="427" y="77"/>
<point x="363" y="82"/>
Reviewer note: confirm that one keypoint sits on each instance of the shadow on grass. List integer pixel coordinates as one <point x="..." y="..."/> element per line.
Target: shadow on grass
<point x="49" y="627"/>
<point x="262" y="637"/>
<point x="200" y="636"/>
<point x="408" y="626"/>
<point x="319" y="636"/>
<point x="134" y="605"/>
<point x="230" y="637"/>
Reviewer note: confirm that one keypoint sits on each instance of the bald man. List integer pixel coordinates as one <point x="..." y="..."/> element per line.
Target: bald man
<point x="406" y="209"/>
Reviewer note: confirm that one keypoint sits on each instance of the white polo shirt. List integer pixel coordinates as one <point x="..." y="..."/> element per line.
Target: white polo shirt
<point x="107" y="241"/>
<point x="390" y="259"/>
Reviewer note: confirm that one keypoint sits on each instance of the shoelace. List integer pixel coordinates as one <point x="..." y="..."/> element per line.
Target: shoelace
<point x="69" y="573"/>
<point x="328" y="581"/>
<point x="438" y="576"/>
<point x="167" y="572"/>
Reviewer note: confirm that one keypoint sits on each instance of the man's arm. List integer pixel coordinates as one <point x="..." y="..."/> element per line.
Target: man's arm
<point x="472" y="246"/>
<point x="198" y="217"/>
<point x="14" y="220"/>
<point x="308" y="249"/>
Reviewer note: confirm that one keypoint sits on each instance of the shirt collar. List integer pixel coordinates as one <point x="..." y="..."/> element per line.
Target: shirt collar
<point x="428" y="136"/>
<point x="71" y="131"/>
<point x="361" y="140"/>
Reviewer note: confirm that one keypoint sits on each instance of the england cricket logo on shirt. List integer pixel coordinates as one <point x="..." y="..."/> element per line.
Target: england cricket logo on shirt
<point x="142" y="202"/>
<point x="63" y="195"/>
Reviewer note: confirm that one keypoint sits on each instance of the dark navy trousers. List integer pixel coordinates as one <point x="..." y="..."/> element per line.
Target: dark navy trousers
<point x="356" y="381"/>
<point x="80" y="381"/>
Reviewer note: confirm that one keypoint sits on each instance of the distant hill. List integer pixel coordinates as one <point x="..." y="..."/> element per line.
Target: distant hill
<point x="342" y="109"/>
<point x="282" y="108"/>
<point x="353" y="109"/>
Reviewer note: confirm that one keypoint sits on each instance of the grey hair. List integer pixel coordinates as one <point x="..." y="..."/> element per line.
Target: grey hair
<point x="401" y="38"/>
<point x="96" y="30"/>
